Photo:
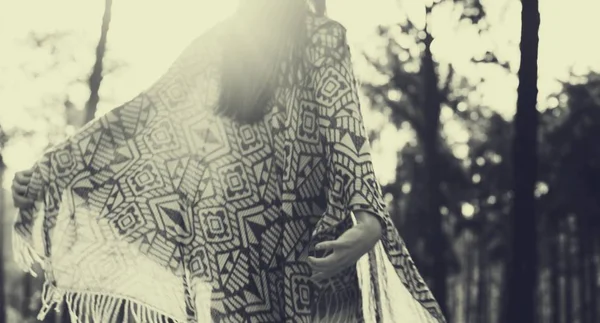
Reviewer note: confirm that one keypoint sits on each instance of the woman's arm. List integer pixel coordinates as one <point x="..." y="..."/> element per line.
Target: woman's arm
<point x="353" y="187"/>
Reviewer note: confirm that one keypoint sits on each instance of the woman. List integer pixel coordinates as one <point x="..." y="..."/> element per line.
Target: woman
<point x="237" y="188"/>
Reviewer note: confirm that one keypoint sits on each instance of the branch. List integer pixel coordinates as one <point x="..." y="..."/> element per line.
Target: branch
<point x="399" y="112"/>
<point x="378" y="66"/>
<point x="491" y="58"/>
<point x="41" y="39"/>
<point x="449" y="77"/>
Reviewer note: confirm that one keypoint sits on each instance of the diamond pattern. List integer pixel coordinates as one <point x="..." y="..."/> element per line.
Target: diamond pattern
<point x="225" y="214"/>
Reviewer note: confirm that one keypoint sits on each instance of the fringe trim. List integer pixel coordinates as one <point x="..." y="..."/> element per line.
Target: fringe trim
<point x="369" y="308"/>
<point x="87" y="307"/>
<point x="83" y="307"/>
<point x="25" y="255"/>
<point x="399" y="305"/>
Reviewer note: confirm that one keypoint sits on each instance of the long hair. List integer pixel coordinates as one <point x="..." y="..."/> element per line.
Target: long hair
<point x="262" y="34"/>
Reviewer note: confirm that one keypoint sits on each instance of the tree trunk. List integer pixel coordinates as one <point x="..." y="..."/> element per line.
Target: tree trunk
<point x="2" y="244"/>
<point x="564" y="281"/>
<point x="570" y="277"/>
<point x="484" y="281"/>
<point x="28" y="287"/>
<point x="593" y="278"/>
<point x="64" y="315"/>
<point x="468" y="276"/>
<point x="582" y="266"/>
<point x="522" y="271"/>
<point x="596" y="273"/>
<point x="95" y="79"/>
<point x="554" y="251"/>
<point x="477" y="297"/>
<point x="320" y="7"/>
<point x="51" y="317"/>
<point x="94" y="82"/>
<point x="432" y="107"/>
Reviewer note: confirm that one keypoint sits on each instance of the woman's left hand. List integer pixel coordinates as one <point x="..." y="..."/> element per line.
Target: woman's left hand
<point x="19" y="189"/>
<point x="348" y="248"/>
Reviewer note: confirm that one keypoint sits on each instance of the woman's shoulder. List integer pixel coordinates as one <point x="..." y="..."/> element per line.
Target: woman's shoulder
<point x="325" y="29"/>
<point x="327" y="40"/>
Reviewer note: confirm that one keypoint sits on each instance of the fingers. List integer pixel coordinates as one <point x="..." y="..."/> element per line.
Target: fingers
<point x="346" y="240"/>
<point x="325" y="263"/>
<point x="327" y="267"/>
<point x="19" y="188"/>
<point x="319" y="276"/>
<point x="19" y="195"/>
<point x="329" y="245"/>
<point x="24" y="177"/>
<point x="27" y="172"/>
<point x="347" y="249"/>
<point x="21" y="201"/>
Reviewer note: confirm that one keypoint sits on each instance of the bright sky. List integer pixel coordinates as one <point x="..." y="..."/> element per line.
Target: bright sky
<point x="146" y="35"/>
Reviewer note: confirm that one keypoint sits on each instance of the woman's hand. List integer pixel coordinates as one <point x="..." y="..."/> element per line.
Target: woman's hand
<point x="19" y="189"/>
<point x="348" y="248"/>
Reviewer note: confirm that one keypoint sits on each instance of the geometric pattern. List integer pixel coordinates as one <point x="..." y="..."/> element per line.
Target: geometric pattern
<point x="229" y="211"/>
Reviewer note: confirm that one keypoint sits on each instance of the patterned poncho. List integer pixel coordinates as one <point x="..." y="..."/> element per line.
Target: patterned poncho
<point x="161" y="211"/>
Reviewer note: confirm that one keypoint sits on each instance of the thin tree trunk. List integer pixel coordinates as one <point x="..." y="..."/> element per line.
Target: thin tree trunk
<point x="596" y="273"/>
<point x="28" y="281"/>
<point x="2" y="244"/>
<point x="95" y="79"/>
<point x="432" y="108"/>
<point x="569" y="274"/>
<point x="484" y="281"/>
<point x="593" y="278"/>
<point x="583" y="256"/>
<point x="522" y="273"/>
<point x="563" y="258"/>
<point x="477" y="297"/>
<point x="469" y="276"/>
<point x="64" y="315"/>
<point x="51" y="317"/>
<point x="94" y="82"/>
<point x="554" y="251"/>
<point x="320" y="7"/>
<point x="502" y="297"/>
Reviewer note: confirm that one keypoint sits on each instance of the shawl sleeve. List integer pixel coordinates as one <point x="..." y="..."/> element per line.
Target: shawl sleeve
<point x="353" y="186"/>
<point x="98" y="152"/>
<point x="75" y="157"/>
<point x="351" y="179"/>
<point x="93" y="191"/>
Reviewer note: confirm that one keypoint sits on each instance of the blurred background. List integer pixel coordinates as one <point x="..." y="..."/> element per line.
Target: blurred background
<point x="471" y="195"/>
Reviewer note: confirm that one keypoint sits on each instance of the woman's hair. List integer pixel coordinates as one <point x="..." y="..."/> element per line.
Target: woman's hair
<point x="262" y="34"/>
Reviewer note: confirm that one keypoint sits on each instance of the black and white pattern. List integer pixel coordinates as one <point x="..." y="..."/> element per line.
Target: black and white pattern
<point x="184" y="216"/>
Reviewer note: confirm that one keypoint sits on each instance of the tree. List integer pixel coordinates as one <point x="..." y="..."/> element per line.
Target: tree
<point x="416" y="98"/>
<point x="94" y="83"/>
<point x="570" y="167"/>
<point x="95" y="79"/>
<point x="522" y="268"/>
<point x="50" y="44"/>
<point x="2" y="298"/>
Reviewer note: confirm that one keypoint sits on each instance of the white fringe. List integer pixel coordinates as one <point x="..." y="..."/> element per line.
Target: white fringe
<point x="366" y="288"/>
<point x="25" y="255"/>
<point x="395" y="302"/>
<point x="83" y="307"/>
<point x="87" y="307"/>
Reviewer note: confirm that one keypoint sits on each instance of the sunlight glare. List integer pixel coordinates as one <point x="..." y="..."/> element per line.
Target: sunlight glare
<point x="467" y="210"/>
